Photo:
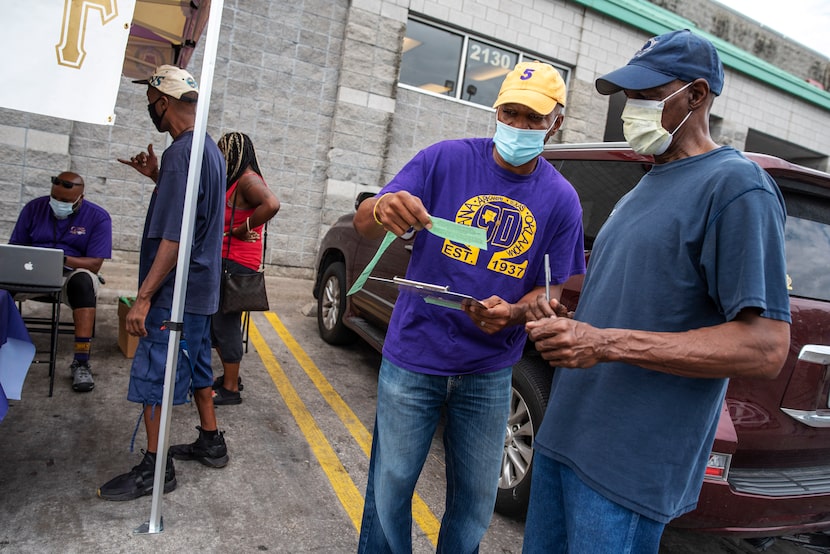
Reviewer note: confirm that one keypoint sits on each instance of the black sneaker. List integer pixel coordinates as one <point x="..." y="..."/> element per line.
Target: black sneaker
<point x="81" y="376"/>
<point x="210" y="452"/>
<point x="220" y="381"/>
<point x="224" y="397"/>
<point x="139" y="481"/>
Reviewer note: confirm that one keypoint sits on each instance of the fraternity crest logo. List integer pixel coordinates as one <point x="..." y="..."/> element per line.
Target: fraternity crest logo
<point x="510" y="226"/>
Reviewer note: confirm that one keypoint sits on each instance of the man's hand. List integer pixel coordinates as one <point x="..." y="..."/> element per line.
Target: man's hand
<point x="400" y="211"/>
<point x="397" y="212"/>
<point x="541" y="309"/>
<point x="496" y="314"/>
<point x="145" y="163"/>
<point x="565" y="342"/>
<point x="134" y="322"/>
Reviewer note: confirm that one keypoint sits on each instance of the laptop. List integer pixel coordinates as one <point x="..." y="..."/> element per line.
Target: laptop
<point x="31" y="266"/>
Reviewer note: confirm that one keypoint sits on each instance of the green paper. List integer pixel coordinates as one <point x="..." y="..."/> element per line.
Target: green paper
<point x="361" y="280"/>
<point x="464" y="234"/>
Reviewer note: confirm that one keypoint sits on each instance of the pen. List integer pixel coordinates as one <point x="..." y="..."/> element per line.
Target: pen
<point x="547" y="278"/>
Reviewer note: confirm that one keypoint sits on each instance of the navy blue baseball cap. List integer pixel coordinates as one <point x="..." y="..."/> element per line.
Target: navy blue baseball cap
<point x="679" y="55"/>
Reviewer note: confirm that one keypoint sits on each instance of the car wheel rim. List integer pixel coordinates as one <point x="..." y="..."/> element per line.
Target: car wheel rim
<point x="518" y="443"/>
<point x="331" y="303"/>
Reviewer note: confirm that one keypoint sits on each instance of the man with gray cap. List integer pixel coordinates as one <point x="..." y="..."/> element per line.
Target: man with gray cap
<point x="436" y="357"/>
<point x="172" y="94"/>
<point x="686" y="287"/>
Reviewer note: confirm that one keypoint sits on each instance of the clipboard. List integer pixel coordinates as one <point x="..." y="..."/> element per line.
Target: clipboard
<point x="440" y="295"/>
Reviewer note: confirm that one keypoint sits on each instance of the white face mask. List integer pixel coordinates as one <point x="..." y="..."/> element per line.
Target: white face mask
<point x="643" y="125"/>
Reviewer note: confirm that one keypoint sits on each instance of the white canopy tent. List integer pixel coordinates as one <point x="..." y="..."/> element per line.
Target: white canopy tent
<point x="76" y="75"/>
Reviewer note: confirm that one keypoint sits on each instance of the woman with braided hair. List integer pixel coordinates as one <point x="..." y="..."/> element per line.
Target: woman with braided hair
<point x="249" y="204"/>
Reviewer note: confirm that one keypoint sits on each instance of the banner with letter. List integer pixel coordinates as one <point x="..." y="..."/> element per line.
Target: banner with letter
<point x="63" y="58"/>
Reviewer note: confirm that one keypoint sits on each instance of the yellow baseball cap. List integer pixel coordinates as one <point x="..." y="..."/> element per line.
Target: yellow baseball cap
<point x="536" y="85"/>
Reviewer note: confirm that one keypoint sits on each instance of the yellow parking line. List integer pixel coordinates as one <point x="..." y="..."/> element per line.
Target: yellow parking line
<point x="346" y="415"/>
<point x="421" y="513"/>
<point x="344" y="487"/>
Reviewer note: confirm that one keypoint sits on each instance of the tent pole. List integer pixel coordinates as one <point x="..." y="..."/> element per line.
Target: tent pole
<point x="154" y="525"/>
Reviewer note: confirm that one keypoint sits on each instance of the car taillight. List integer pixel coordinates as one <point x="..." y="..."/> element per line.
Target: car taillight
<point x="717" y="468"/>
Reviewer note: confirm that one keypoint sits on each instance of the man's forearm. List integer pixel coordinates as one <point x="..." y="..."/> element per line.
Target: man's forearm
<point x="163" y="264"/>
<point x="82" y="262"/>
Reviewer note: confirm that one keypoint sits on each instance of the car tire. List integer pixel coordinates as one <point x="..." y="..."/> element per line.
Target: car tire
<point x="331" y="306"/>
<point x="530" y="391"/>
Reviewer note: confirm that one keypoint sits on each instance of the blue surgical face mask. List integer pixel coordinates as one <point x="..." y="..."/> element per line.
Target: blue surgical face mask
<point x="62" y="210"/>
<point x="518" y="146"/>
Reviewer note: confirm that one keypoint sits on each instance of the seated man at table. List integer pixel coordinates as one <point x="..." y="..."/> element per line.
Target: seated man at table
<point x="83" y="230"/>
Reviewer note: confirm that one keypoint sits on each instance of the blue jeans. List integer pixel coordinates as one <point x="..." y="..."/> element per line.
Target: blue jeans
<point x="567" y="516"/>
<point x="408" y="411"/>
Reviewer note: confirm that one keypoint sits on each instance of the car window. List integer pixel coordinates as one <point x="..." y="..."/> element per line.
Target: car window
<point x="807" y="241"/>
<point x="600" y="184"/>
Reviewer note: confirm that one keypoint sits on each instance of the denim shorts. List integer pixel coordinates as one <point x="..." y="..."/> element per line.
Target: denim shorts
<point x="193" y="369"/>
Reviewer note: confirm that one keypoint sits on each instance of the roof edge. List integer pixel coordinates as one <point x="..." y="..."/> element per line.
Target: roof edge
<point x="648" y="17"/>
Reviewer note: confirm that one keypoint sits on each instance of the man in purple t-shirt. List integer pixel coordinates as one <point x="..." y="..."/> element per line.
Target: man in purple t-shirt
<point x="83" y="230"/>
<point x="436" y="358"/>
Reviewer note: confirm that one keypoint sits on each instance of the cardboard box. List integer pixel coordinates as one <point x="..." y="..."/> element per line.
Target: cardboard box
<point x="126" y="342"/>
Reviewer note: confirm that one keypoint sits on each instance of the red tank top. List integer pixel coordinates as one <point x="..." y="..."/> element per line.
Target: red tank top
<point x="248" y="254"/>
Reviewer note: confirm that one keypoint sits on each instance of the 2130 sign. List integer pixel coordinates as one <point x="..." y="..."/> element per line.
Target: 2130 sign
<point x="491" y="56"/>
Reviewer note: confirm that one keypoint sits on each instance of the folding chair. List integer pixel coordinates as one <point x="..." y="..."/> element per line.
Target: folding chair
<point x="39" y="324"/>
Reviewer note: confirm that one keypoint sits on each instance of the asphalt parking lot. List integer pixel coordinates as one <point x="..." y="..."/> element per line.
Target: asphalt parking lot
<point x="298" y="445"/>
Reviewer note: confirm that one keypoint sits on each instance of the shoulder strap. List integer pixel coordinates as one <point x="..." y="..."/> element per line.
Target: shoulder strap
<point x="230" y="227"/>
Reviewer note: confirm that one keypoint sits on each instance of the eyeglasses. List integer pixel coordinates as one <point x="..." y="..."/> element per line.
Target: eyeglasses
<point x="64" y="184"/>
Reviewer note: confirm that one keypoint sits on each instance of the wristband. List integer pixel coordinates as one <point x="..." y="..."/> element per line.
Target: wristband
<point x="248" y="224"/>
<point x="375" y="209"/>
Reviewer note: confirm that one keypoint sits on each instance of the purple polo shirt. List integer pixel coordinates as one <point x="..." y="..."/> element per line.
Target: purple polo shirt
<point x="86" y="233"/>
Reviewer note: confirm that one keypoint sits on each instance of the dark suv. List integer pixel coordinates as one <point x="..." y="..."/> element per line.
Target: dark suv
<point x="769" y="470"/>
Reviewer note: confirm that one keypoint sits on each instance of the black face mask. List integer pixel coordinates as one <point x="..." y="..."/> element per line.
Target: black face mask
<point x="151" y="107"/>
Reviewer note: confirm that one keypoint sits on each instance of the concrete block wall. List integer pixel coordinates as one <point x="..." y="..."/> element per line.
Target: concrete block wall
<point x="277" y="75"/>
<point x="276" y="78"/>
<point x="365" y="105"/>
<point x="32" y="149"/>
